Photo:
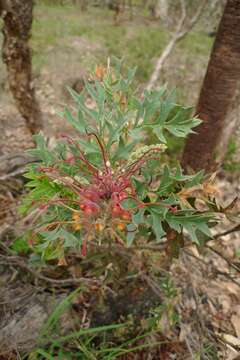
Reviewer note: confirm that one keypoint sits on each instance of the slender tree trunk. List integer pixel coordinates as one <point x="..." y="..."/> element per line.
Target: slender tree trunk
<point x="17" y="17"/>
<point x="218" y="92"/>
<point x="161" y="10"/>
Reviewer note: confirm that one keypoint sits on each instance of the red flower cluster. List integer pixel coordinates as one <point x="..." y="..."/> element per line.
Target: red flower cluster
<point x="104" y="190"/>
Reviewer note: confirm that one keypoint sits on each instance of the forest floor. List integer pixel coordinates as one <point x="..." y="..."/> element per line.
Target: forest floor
<point x="66" y="45"/>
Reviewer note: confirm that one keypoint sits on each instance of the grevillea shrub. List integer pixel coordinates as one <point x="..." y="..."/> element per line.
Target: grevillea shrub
<point x="111" y="183"/>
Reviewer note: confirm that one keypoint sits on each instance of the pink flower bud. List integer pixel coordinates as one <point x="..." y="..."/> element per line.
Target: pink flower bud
<point x="30" y="242"/>
<point x="173" y="209"/>
<point x="43" y="206"/>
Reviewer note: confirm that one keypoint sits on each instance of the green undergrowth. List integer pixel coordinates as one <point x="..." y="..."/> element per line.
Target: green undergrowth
<point x="109" y="208"/>
<point x="57" y="30"/>
<point x="139" y="41"/>
<point x="132" y="335"/>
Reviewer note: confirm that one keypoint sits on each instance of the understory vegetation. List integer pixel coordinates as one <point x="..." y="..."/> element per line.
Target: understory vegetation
<point x="110" y="214"/>
<point x="111" y="245"/>
<point x="58" y="25"/>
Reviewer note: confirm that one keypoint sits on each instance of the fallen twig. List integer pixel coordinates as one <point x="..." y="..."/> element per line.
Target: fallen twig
<point x="152" y="284"/>
<point x="17" y="261"/>
<point x="227" y="232"/>
<point x="12" y="165"/>
<point x="218" y="272"/>
<point x="235" y="267"/>
<point x="13" y="174"/>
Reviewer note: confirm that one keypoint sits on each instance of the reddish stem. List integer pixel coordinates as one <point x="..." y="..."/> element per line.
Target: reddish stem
<point x="101" y="148"/>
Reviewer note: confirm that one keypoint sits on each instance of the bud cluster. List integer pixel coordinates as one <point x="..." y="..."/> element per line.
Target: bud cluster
<point x="146" y="152"/>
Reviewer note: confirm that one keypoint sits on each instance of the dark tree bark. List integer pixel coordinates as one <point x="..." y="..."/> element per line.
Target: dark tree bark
<point x="17" y="21"/>
<point x="218" y="92"/>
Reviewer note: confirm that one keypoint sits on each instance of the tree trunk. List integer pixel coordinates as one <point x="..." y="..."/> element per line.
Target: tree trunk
<point x="161" y="10"/>
<point x="217" y="93"/>
<point x="17" y="17"/>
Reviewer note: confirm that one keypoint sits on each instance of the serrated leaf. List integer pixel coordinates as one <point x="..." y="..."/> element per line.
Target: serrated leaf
<point x="79" y="124"/>
<point x="138" y="217"/>
<point x="129" y="203"/>
<point x="157" y="226"/>
<point x="131" y="233"/>
<point x="191" y="222"/>
<point x="123" y="150"/>
<point x="41" y="151"/>
<point x="140" y="187"/>
<point x="20" y="245"/>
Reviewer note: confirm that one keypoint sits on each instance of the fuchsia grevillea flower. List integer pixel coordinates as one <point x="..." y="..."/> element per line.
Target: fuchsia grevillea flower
<point x="104" y="190"/>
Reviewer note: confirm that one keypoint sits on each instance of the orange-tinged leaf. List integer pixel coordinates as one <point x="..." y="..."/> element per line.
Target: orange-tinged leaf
<point x="76" y="216"/>
<point x="99" y="227"/>
<point x="209" y="186"/>
<point x="187" y="193"/>
<point x="210" y="189"/>
<point x="100" y="71"/>
<point x="121" y="226"/>
<point x="123" y="101"/>
<point x="62" y="261"/>
<point x="77" y="226"/>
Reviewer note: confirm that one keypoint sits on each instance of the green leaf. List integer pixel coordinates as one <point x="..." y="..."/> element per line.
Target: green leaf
<point x="46" y="355"/>
<point x="167" y="182"/>
<point x="89" y="147"/>
<point x="70" y="240"/>
<point x="79" y="124"/>
<point x="140" y="187"/>
<point x="166" y="107"/>
<point x="158" y="131"/>
<point x="181" y="124"/>
<point x="157" y="226"/>
<point x="138" y="217"/>
<point x="20" y="245"/>
<point x="129" y="203"/>
<point x="123" y="150"/>
<point x="131" y="233"/>
<point x="191" y="222"/>
<point x="41" y="151"/>
<point x="82" y="107"/>
<point x="116" y="131"/>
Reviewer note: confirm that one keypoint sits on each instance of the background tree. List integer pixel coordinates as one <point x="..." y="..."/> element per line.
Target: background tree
<point x="182" y="30"/>
<point x="159" y="9"/>
<point x="17" y="21"/>
<point x="218" y="92"/>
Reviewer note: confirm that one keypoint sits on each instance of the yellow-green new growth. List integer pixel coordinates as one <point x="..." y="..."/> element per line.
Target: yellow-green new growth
<point x="145" y="151"/>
